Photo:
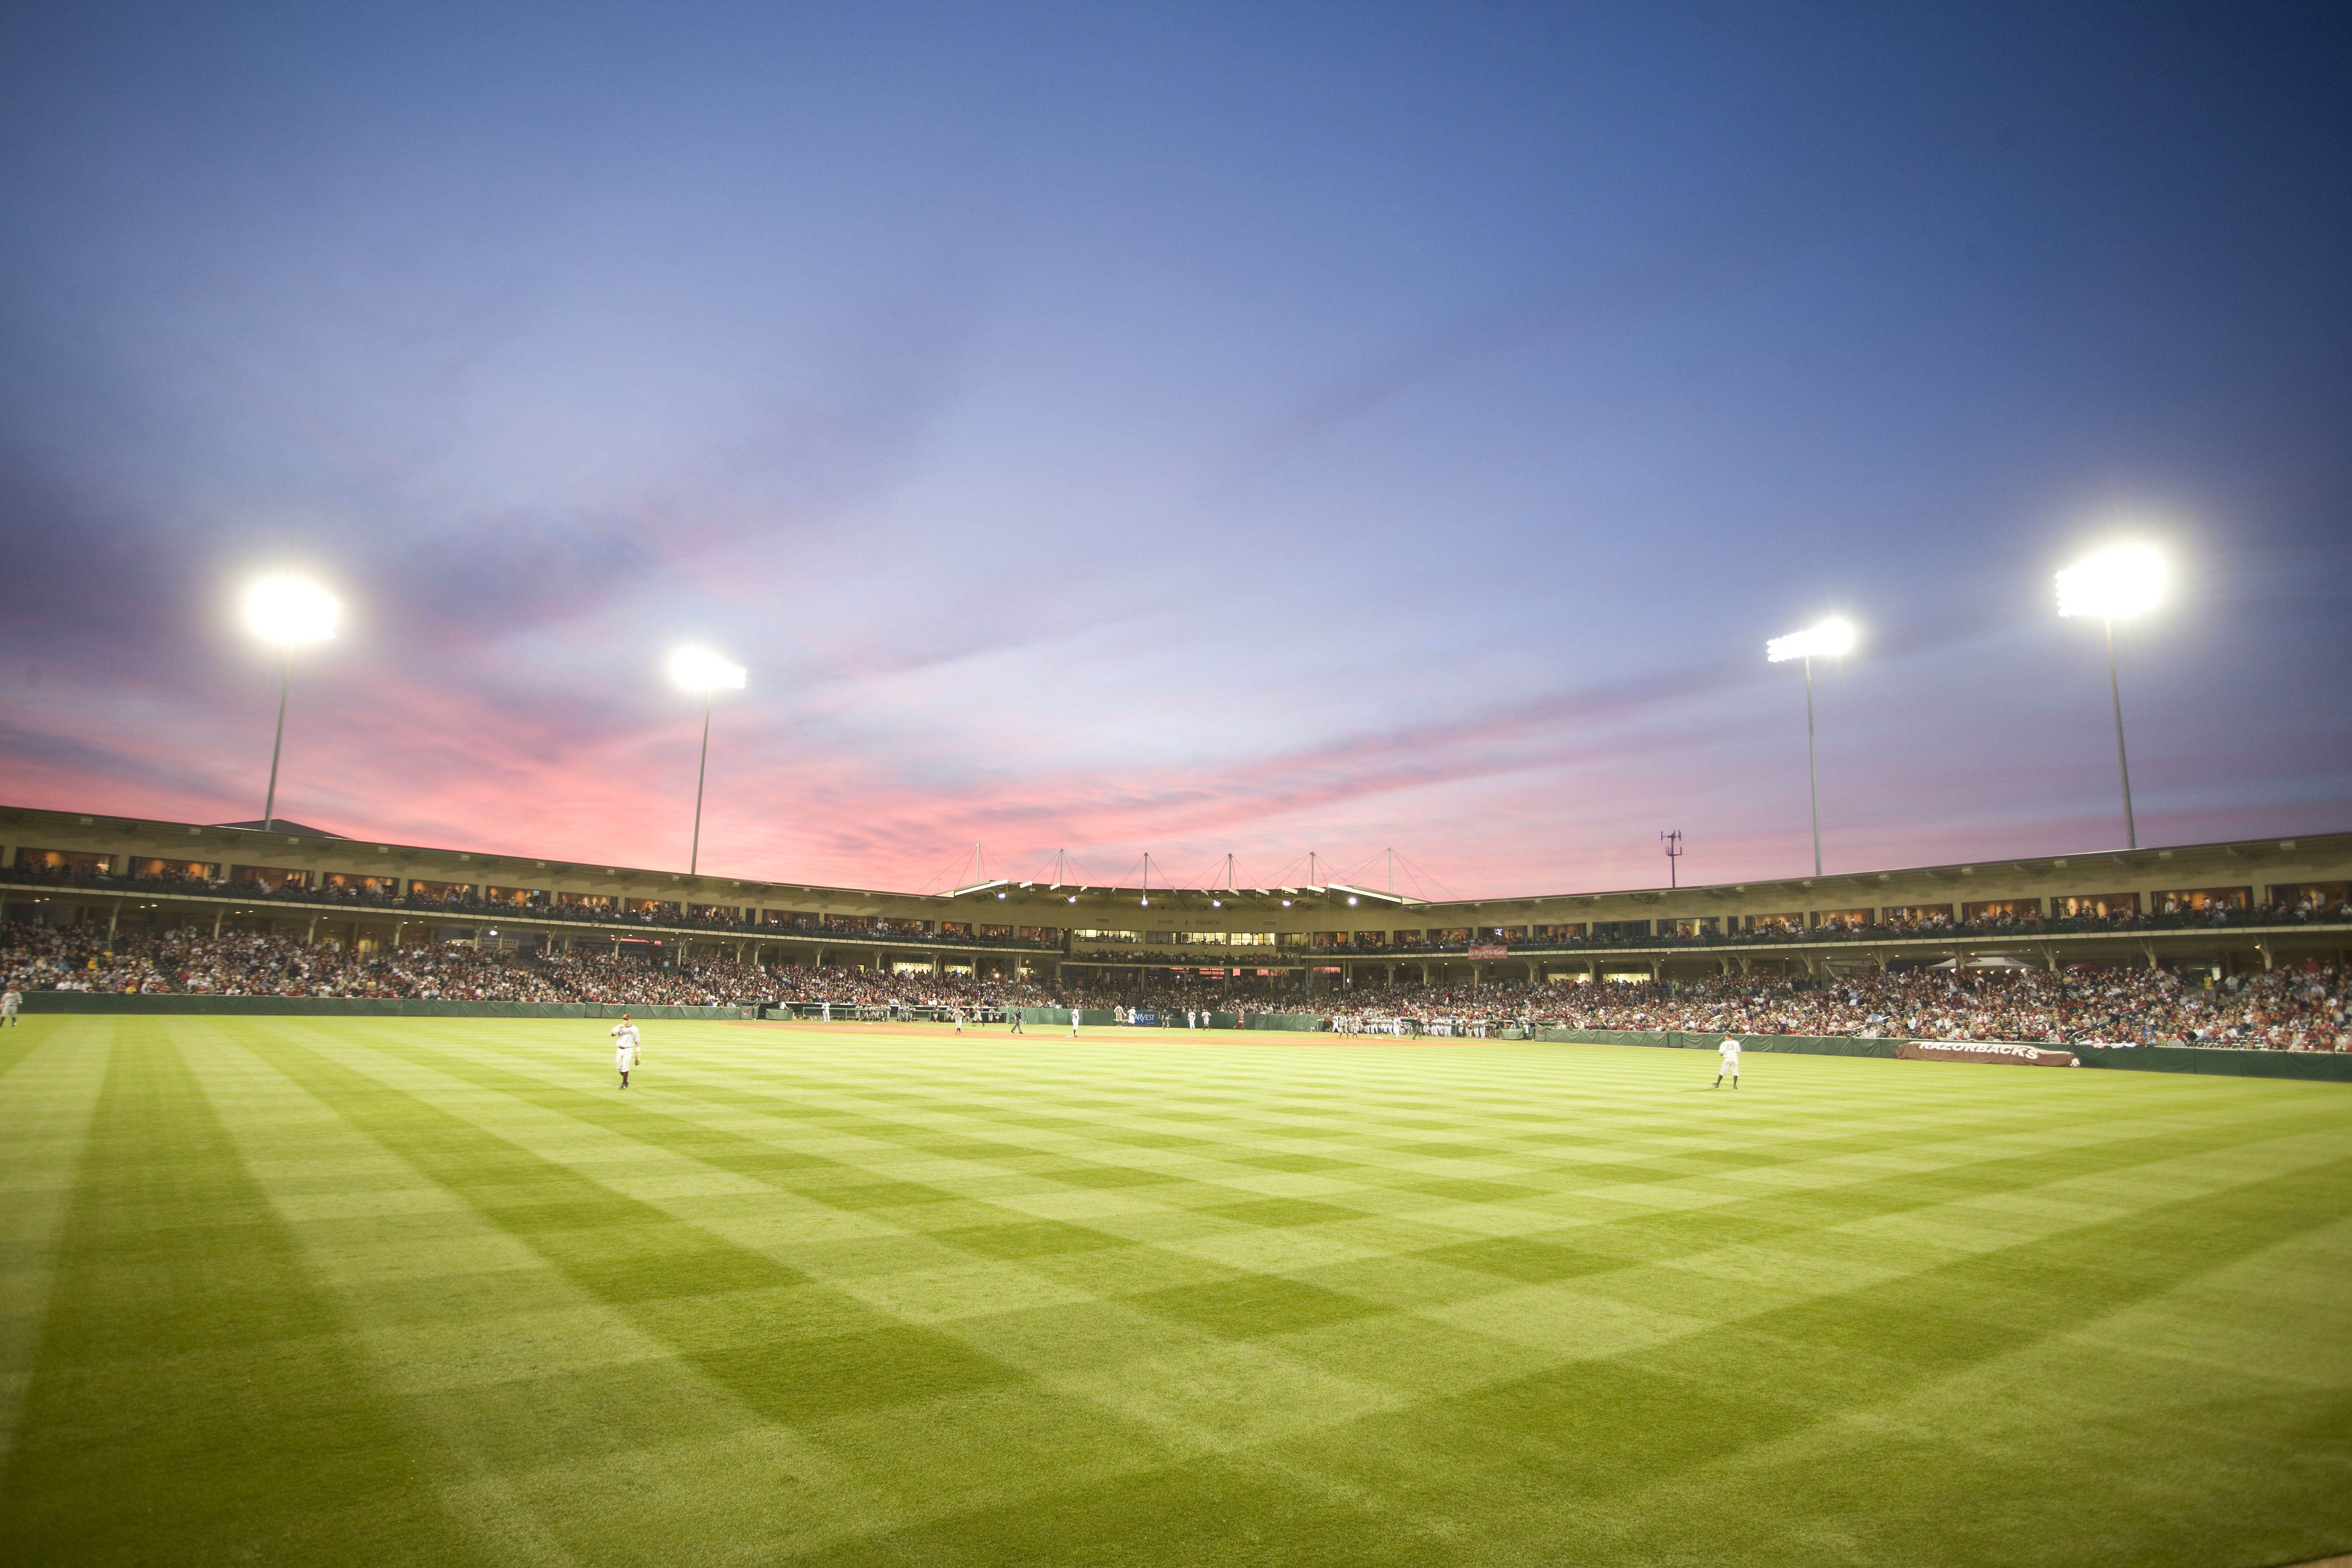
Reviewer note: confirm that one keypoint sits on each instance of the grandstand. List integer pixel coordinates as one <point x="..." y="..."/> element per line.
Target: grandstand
<point x="2193" y="944"/>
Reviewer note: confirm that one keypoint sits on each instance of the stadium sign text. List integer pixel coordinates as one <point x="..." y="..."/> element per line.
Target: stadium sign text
<point x="1974" y="1051"/>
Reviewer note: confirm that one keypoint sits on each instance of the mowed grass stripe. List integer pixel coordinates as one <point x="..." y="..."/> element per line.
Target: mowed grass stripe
<point x="1016" y="1234"/>
<point x="20" y="1040"/>
<point x="48" y="1096"/>
<point x="725" y="1308"/>
<point x="1548" y="1455"/>
<point x="682" y="1079"/>
<point x="1609" y="1245"/>
<point x="831" y="1386"/>
<point x="2152" y="1454"/>
<point x="1107" y="1257"/>
<point x="576" y="1439"/>
<point x="847" y="1185"/>
<point x="1668" y="1122"/>
<point x="194" y="1399"/>
<point x="1504" y="1363"/>
<point x="1633" y="1242"/>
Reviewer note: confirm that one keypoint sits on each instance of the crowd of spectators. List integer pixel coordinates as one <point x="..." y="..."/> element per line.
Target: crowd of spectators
<point x="242" y="963"/>
<point x="2286" y="1009"/>
<point x="81" y="958"/>
<point x="2171" y="914"/>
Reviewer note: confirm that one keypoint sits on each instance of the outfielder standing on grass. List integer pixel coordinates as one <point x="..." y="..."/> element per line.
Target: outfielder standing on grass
<point x="1730" y="1053"/>
<point x="10" y="1000"/>
<point x="624" y="1048"/>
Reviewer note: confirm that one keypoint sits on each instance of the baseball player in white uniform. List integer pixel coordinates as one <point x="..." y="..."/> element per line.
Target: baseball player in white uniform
<point x="10" y="1001"/>
<point x="1073" y="1022"/>
<point x="1729" y="1050"/>
<point x="624" y="1048"/>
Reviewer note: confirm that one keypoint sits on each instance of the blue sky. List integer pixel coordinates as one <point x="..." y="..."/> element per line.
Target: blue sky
<point x="1196" y="431"/>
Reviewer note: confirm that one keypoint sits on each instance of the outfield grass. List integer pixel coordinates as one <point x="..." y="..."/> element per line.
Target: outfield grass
<point x="381" y="1292"/>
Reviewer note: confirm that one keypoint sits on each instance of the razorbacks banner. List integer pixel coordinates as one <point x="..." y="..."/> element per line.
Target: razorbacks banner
<point x="1985" y="1051"/>
<point x="1491" y="949"/>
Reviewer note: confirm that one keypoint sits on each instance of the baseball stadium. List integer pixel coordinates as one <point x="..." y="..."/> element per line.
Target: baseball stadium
<point x="1036" y="1223"/>
<point x="904" y="786"/>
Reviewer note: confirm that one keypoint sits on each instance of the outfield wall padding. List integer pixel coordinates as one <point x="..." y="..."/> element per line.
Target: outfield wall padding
<point x="1088" y="1018"/>
<point x="2334" y="1068"/>
<point x="1102" y="1018"/>
<point x="2217" y="1063"/>
<point x="89" y="1002"/>
<point x="1682" y="1040"/>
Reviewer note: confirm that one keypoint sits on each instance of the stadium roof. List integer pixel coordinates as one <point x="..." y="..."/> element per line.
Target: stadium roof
<point x="280" y="825"/>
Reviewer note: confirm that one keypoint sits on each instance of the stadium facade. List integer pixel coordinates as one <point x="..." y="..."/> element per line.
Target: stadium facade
<point x="2252" y="904"/>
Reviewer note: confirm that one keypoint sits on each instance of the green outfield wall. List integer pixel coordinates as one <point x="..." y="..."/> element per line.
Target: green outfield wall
<point x="1677" y="1039"/>
<point x="2222" y="1064"/>
<point x="2134" y="1058"/>
<point x="1101" y="1017"/>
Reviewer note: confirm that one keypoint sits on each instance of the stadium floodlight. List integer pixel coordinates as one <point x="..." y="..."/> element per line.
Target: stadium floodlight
<point x="287" y="611"/>
<point x="1828" y="639"/>
<point x="699" y="670"/>
<point x="2126" y="580"/>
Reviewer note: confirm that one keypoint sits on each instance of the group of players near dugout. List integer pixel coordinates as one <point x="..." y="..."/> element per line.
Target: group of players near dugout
<point x="628" y="1046"/>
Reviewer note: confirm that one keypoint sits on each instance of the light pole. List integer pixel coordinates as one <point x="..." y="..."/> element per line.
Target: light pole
<point x="1829" y="639"/>
<point x="706" y="673"/>
<point x="287" y="611"/>
<point x="2123" y="581"/>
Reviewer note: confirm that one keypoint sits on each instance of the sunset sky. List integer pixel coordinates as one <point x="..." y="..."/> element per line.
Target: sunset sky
<point x="1197" y="430"/>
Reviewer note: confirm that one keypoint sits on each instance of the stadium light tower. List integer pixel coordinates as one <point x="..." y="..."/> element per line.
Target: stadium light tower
<point x="1829" y="639"/>
<point x="2125" y="581"/>
<point x="287" y="611"/>
<point x="705" y="672"/>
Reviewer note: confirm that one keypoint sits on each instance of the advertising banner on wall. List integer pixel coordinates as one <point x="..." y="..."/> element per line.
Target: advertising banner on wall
<point x="1491" y="949"/>
<point x="1985" y="1051"/>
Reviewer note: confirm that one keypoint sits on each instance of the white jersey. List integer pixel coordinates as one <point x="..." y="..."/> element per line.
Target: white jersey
<point x="625" y="1045"/>
<point x="10" y="1001"/>
<point x="1730" y="1052"/>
